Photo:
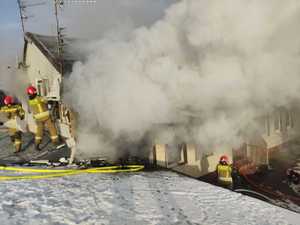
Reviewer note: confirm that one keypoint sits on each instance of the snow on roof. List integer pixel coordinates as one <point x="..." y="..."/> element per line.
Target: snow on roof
<point x="135" y="198"/>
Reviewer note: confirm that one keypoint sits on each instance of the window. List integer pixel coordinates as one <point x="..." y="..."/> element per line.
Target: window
<point x="281" y="120"/>
<point x="291" y="119"/>
<point x="277" y="121"/>
<point x="268" y="124"/>
<point x="287" y="118"/>
<point x="43" y="87"/>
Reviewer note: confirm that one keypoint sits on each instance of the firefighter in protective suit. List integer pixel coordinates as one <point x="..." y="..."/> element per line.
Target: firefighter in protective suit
<point x="224" y="172"/>
<point x="41" y="115"/>
<point x="13" y="111"/>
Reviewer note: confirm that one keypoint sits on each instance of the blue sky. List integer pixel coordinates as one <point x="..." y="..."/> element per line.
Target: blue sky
<point x="10" y="29"/>
<point x="11" y="37"/>
<point x="9" y="12"/>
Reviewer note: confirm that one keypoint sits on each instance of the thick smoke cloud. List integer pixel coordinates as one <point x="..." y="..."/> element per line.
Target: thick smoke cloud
<point x="203" y="73"/>
<point x="114" y="19"/>
<point x="82" y="20"/>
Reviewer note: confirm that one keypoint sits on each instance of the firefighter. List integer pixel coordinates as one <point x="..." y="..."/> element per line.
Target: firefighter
<point x="13" y="110"/>
<point x="41" y="115"/>
<point x="224" y="172"/>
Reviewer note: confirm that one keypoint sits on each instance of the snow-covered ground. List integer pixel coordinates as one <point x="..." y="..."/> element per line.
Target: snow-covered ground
<point x="135" y="198"/>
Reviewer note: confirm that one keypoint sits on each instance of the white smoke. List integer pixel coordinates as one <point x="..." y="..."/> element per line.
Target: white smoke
<point x="207" y="70"/>
<point x="96" y="20"/>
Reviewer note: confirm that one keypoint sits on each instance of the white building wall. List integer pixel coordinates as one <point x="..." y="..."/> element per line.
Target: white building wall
<point x="39" y="68"/>
<point x="190" y="159"/>
<point x="280" y="127"/>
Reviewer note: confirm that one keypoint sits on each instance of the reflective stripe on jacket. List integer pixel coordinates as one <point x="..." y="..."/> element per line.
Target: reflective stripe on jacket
<point x="41" y="116"/>
<point x="39" y="108"/>
<point x="224" y="173"/>
<point x="13" y="111"/>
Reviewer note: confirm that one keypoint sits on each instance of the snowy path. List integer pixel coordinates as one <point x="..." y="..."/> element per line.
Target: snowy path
<point x="143" y="198"/>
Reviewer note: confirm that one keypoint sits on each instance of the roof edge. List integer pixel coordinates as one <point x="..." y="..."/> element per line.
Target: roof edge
<point x="31" y="37"/>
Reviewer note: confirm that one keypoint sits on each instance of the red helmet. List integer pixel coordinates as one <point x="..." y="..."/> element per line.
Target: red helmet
<point x="224" y="159"/>
<point x="8" y="100"/>
<point x="31" y="90"/>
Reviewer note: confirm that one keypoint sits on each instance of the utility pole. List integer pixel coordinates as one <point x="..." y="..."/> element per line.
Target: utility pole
<point x="59" y="36"/>
<point x="21" y="16"/>
<point x="59" y="4"/>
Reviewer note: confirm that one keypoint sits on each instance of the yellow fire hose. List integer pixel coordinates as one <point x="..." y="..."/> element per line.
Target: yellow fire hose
<point x="51" y="173"/>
